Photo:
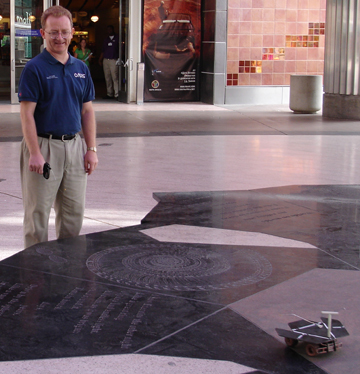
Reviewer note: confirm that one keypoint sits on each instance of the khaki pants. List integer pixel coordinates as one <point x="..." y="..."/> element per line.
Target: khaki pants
<point x="111" y="72"/>
<point x="65" y="189"/>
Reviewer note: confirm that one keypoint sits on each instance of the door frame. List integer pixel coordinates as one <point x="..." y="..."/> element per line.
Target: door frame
<point x="125" y="62"/>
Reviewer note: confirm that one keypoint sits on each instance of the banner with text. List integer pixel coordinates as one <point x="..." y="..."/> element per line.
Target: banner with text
<point x="171" y="49"/>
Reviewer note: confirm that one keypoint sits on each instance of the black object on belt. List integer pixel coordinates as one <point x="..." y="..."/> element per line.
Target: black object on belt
<point x="57" y="137"/>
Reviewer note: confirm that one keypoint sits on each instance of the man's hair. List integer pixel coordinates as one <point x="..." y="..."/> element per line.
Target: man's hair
<point x="55" y="11"/>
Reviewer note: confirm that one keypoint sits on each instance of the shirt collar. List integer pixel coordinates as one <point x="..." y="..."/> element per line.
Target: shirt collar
<point x="52" y="60"/>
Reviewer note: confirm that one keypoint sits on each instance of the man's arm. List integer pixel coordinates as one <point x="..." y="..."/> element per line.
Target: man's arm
<point x="101" y="58"/>
<point x="89" y="130"/>
<point x="36" y="160"/>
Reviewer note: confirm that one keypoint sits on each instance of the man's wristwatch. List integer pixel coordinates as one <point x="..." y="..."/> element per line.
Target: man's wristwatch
<point x="92" y="149"/>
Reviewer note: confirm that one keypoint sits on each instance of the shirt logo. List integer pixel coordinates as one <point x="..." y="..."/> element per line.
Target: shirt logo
<point x="51" y="77"/>
<point x="79" y="75"/>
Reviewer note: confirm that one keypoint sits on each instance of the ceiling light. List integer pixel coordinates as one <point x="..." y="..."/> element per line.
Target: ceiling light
<point x="94" y="18"/>
<point x="0" y="17"/>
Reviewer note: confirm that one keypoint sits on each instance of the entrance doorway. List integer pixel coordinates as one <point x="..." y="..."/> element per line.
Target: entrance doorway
<point x="5" y="51"/>
<point x="20" y="39"/>
<point x="94" y="31"/>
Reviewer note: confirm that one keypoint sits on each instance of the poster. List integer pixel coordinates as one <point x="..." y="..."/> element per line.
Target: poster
<point x="171" y="49"/>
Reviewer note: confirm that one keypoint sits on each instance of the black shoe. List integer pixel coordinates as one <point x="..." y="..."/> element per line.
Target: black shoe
<point x="107" y="97"/>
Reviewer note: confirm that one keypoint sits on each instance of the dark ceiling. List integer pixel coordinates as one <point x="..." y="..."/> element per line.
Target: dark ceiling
<point x="89" y="5"/>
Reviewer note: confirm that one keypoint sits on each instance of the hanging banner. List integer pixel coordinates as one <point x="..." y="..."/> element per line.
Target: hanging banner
<point x="171" y="49"/>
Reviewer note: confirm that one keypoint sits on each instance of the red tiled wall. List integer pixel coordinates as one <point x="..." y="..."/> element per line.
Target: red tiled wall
<point x="269" y="40"/>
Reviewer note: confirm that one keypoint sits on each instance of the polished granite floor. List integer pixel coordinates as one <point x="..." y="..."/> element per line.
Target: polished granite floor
<point x="206" y="228"/>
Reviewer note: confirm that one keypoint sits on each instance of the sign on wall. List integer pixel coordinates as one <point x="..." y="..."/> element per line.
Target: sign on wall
<point x="171" y="49"/>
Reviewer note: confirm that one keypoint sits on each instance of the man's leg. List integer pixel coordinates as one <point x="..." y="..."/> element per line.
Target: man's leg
<point x="38" y="196"/>
<point x="108" y="78"/>
<point x="70" y="199"/>
<point x="115" y="77"/>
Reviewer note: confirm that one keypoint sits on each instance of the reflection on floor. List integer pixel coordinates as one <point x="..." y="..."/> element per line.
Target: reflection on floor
<point x="176" y="285"/>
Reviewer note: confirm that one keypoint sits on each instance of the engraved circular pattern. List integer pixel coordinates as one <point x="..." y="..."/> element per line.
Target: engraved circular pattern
<point x="179" y="267"/>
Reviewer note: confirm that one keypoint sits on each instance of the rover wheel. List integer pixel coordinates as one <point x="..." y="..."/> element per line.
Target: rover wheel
<point x="311" y="350"/>
<point x="291" y="342"/>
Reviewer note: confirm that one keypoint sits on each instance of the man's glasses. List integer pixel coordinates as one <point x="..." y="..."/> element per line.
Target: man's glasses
<point x="55" y="34"/>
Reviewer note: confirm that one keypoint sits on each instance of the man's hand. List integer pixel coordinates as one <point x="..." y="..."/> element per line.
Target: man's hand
<point x="36" y="163"/>
<point x="91" y="161"/>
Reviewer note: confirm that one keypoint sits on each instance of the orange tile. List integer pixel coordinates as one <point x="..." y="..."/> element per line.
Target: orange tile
<point x="233" y="41"/>
<point x="234" y="15"/>
<point x="255" y="54"/>
<point x="244" y="79"/>
<point x="246" y="15"/>
<point x="291" y="15"/>
<point x="290" y="28"/>
<point x="234" y="4"/>
<point x="303" y="4"/>
<point x="255" y="79"/>
<point x="278" y="79"/>
<point x="290" y="67"/>
<point x="257" y="27"/>
<point x="279" y="41"/>
<point x="320" y="67"/>
<point x="267" y="66"/>
<point x="279" y="66"/>
<point x="256" y="14"/>
<point x="303" y="15"/>
<point x="300" y="66"/>
<point x="245" y="4"/>
<point x="232" y="67"/>
<point x="280" y="28"/>
<point x="245" y="40"/>
<point x="301" y="54"/>
<point x="268" y="27"/>
<point x="268" y="40"/>
<point x="245" y="27"/>
<point x="280" y="15"/>
<point x="302" y="28"/>
<point x="268" y="15"/>
<point x="314" y="4"/>
<point x="233" y="28"/>
<point x="258" y="3"/>
<point x="269" y="4"/>
<point x="313" y="54"/>
<point x="280" y="4"/>
<point x="244" y="53"/>
<point x="267" y="79"/>
<point x="291" y="4"/>
<point x="233" y="54"/>
<point x="256" y="40"/>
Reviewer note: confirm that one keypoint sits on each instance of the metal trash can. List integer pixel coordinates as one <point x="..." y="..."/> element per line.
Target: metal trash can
<point x="306" y="93"/>
<point x="140" y="77"/>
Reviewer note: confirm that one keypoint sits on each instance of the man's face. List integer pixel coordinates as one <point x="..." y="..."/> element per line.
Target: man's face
<point x="55" y="30"/>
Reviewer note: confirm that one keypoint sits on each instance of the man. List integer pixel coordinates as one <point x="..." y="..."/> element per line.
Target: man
<point x="55" y="94"/>
<point x="108" y="58"/>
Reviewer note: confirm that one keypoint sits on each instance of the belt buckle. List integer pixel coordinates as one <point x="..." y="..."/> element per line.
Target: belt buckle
<point x="63" y="138"/>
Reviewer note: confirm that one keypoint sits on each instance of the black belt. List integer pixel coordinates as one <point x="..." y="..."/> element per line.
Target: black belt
<point x="57" y="137"/>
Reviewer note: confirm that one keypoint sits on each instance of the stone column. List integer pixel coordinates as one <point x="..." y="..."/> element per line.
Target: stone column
<point x="342" y="53"/>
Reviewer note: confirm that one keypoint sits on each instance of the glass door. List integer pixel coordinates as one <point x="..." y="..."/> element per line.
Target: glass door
<point x="124" y="62"/>
<point x="25" y="38"/>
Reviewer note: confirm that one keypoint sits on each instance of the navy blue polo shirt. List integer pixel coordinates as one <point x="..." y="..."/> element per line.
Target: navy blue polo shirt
<point x="110" y="48"/>
<point x="59" y="91"/>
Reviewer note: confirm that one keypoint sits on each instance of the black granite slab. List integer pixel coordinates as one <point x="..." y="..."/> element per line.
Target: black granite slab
<point x="48" y="316"/>
<point x="121" y="291"/>
<point x="325" y="216"/>
<point x="227" y="336"/>
<point x="131" y="259"/>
